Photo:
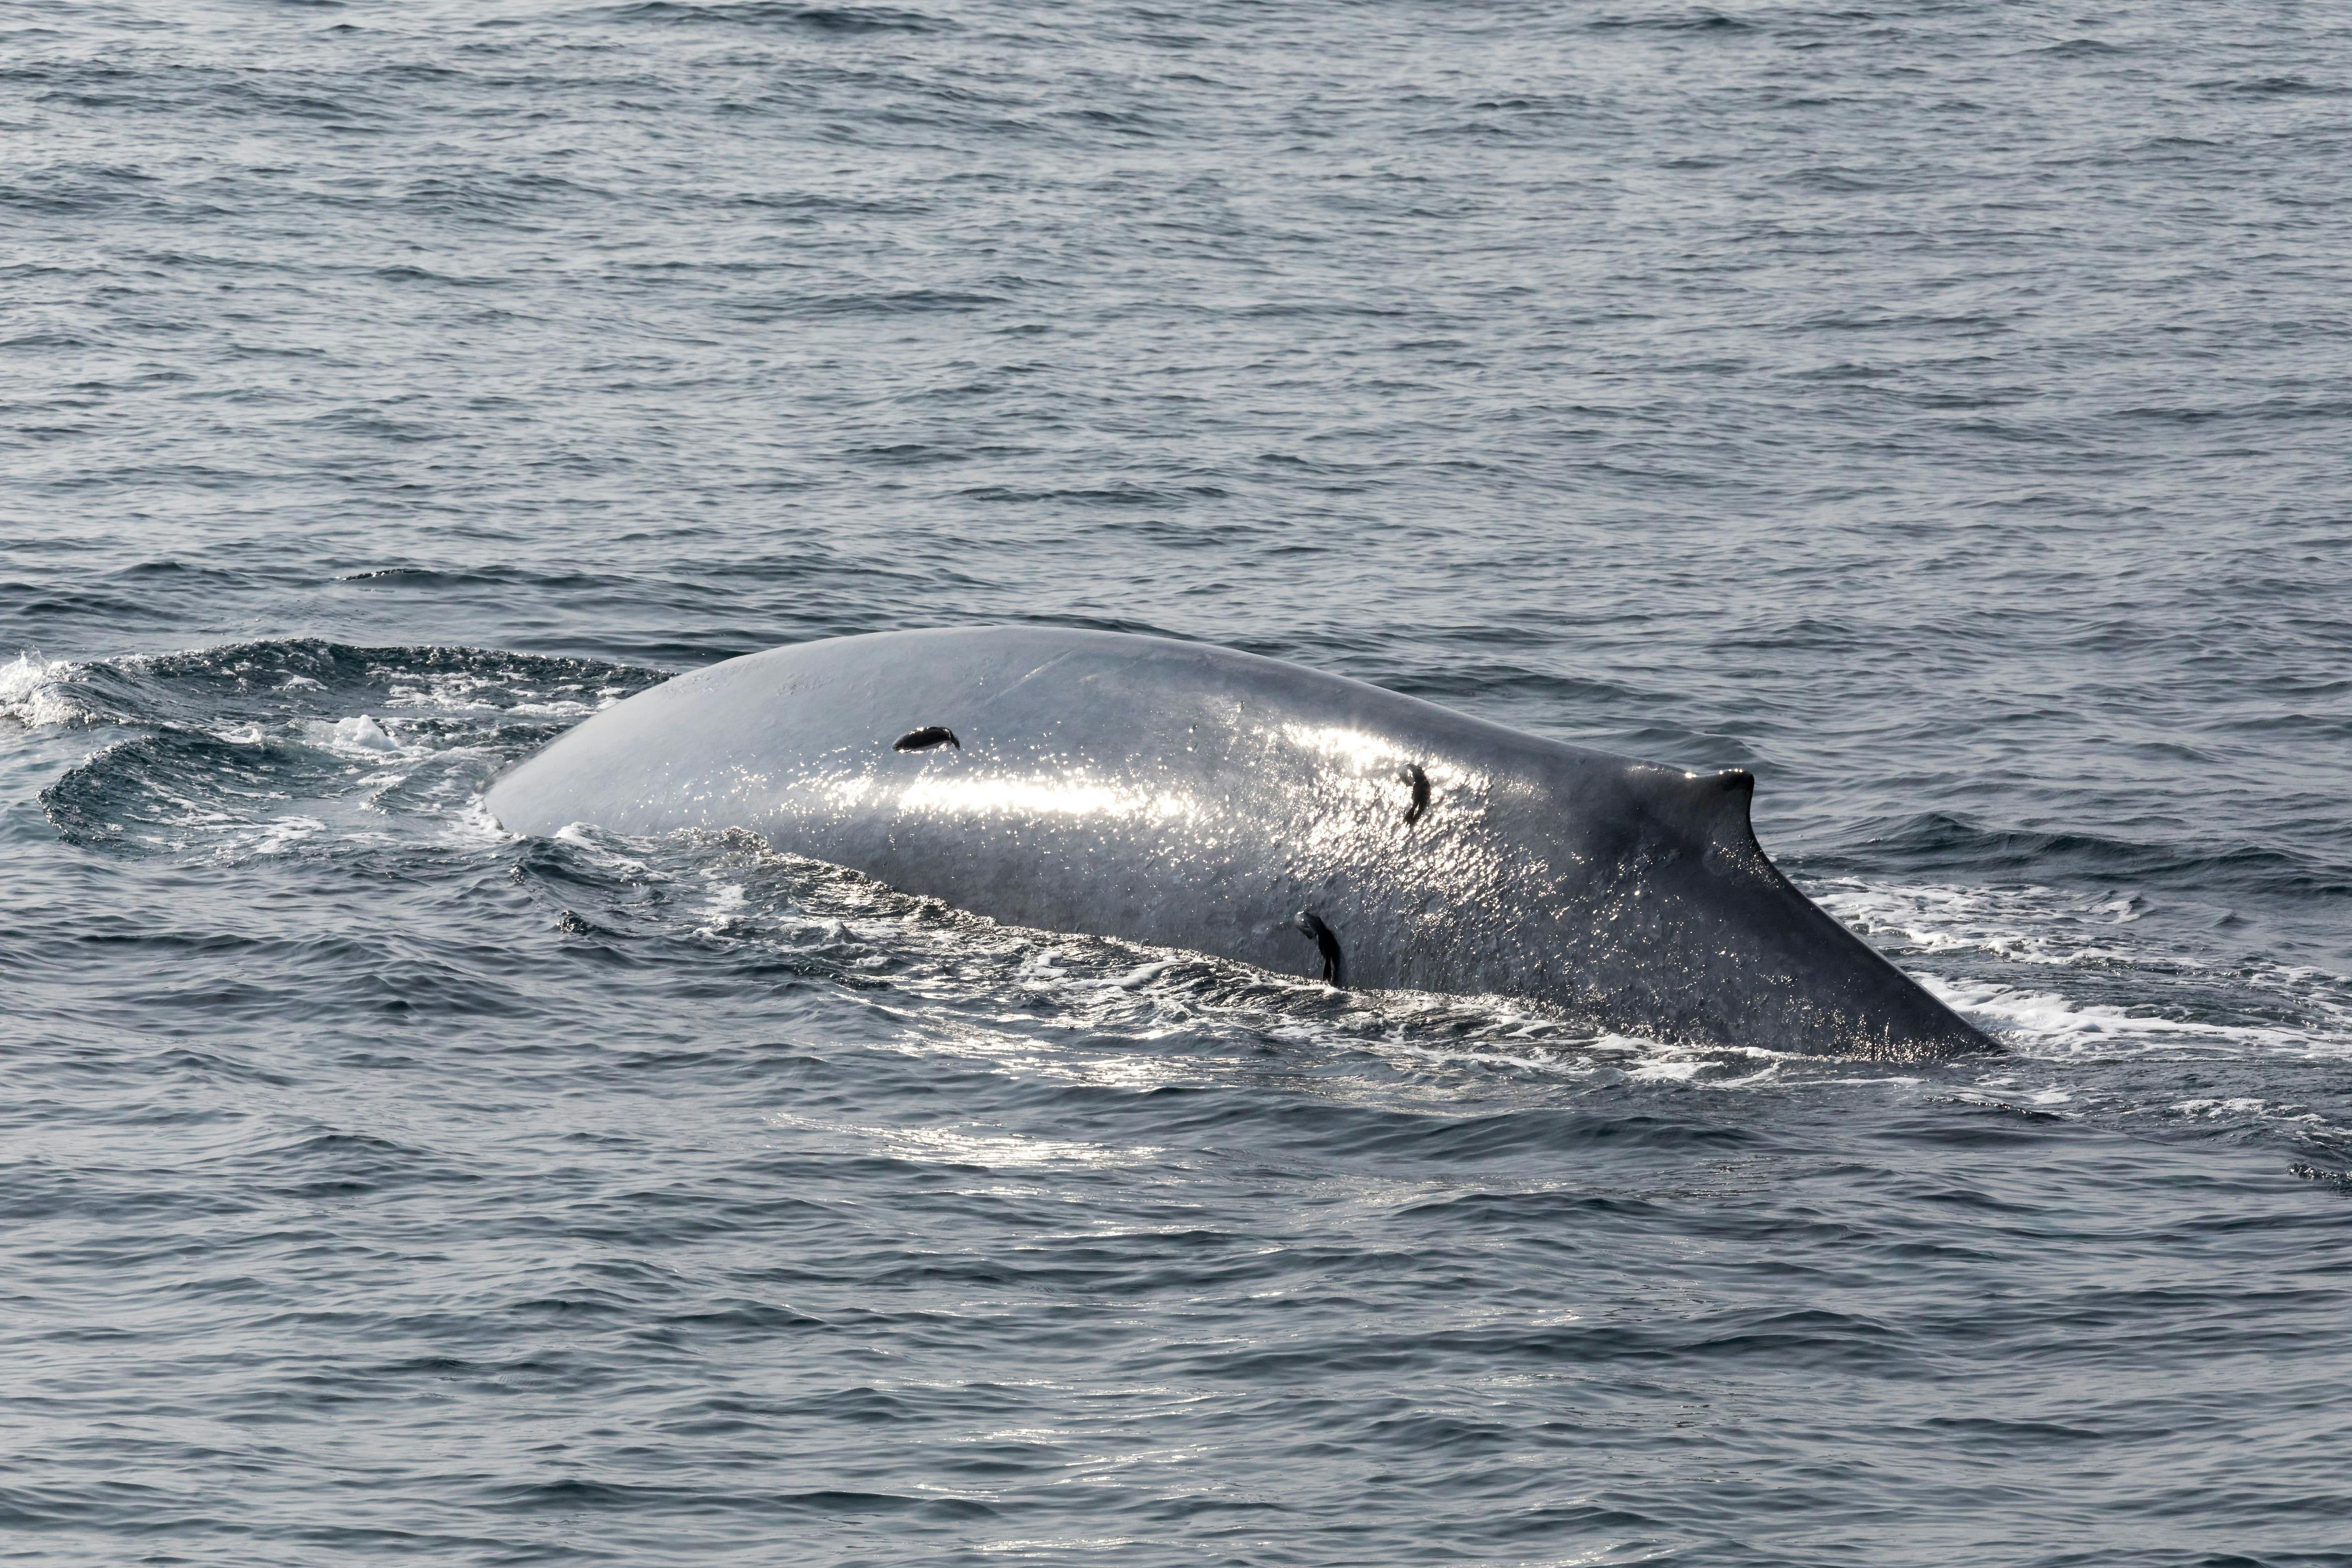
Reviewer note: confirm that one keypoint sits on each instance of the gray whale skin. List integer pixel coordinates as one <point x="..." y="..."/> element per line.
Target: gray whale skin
<point x="1185" y="796"/>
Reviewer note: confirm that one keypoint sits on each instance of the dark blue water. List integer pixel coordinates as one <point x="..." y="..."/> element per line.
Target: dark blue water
<point x="1939" y="409"/>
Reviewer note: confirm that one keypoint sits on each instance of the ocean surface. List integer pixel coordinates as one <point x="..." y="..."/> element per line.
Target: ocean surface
<point x="1941" y="409"/>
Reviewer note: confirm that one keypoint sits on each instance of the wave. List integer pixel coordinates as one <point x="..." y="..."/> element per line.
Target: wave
<point x="1938" y="840"/>
<point x="2056" y="974"/>
<point x="265" y="748"/>
<point x="299" y="676"/>
<point x="840" y="20"/>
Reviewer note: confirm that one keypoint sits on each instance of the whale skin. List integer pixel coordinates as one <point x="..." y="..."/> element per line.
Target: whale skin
<point x="1185" y="796"/>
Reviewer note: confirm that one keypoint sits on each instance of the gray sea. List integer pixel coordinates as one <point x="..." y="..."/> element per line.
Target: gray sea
<point x="1942" y="410"/>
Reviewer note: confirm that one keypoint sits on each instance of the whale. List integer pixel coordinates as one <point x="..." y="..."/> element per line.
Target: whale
<point x="1182" y="795"/>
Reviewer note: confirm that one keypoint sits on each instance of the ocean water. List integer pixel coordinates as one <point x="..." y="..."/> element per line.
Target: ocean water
<point x="1939" y="409"/>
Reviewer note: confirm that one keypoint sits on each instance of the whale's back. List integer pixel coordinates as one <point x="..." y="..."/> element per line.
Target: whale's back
<point x="1193" y="797"/>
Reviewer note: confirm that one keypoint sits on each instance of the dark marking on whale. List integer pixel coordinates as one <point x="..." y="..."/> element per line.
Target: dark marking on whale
<point x="1411" y="774"/>
<point x="1325" y="943"/>
<point x="1182" y="795"/>
<point x="927" y="737"/>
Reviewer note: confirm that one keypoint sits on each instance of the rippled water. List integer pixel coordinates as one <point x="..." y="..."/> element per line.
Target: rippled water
<point x="1940" y="410"/>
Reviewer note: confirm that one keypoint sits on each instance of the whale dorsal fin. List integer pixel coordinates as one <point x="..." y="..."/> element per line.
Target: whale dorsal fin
<point x="1713" y="808"/>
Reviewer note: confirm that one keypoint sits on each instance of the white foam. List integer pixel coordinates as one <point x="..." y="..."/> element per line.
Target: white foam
<point x="360" y="736"/>
<point x="585" y="835"/>
<point x="2043" y="1023"/>
<point x="948" y="1146"/>
<point x="477" y="689"/>
<point x="362" y="733"/>
<point x="30" y="694"/>
<point x="2056" y="931"/>
<point x="1548" y="1062"/>
<point x="276" y="836"/>
<point x="2022" y="925"/>
<point x="472" y="823"/>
